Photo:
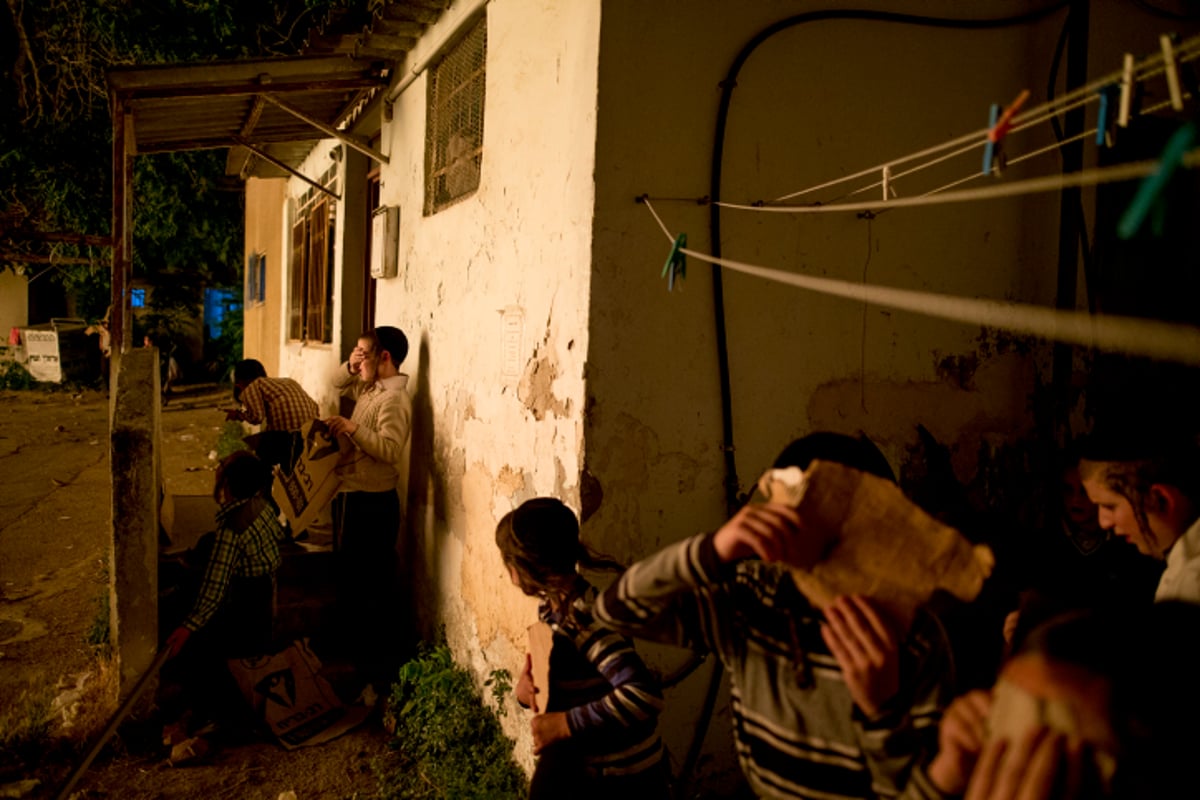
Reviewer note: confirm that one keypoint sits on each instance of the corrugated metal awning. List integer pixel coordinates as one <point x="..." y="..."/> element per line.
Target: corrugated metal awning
<point x="275" y="106"/>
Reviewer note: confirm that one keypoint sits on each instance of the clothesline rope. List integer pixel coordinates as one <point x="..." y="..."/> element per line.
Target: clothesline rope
<point x="1047" y="183"/>
<point x="1150" y="67"/>
<point x="1132" y="336"/>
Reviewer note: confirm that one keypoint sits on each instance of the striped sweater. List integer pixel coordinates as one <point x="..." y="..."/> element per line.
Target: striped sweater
<point x="797" y="731"/>
<point x="611" y="699"/>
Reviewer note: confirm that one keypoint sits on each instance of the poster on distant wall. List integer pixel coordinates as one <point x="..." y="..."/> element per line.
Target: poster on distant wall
<point x="41" y="350"/>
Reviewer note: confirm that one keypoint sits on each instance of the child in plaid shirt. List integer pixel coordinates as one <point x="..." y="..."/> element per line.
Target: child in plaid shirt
<point x="235" y="603"/>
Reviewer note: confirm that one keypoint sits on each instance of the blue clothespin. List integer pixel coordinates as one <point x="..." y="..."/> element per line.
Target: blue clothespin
<point x="989" y="149"/>
<point x="676" y="262"/>
<point x="1105" y="116"/>
<point x="1148" y="194"/>
<point x="998" y="125"/>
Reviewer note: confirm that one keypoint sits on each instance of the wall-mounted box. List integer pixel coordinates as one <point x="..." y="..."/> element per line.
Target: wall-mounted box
<point x="385" y="239"/>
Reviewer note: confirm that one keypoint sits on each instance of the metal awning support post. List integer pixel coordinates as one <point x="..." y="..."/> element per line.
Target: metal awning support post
<point x="120" y="320"/>
<point x="329" y="130"/>
<point x="265" y="156"/>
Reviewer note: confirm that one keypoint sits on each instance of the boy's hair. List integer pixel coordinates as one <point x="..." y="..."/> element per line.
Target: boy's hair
<point x="540" y="541"/>
<point x="859" y="453"/>
<point x="1130" y="460"/>
<point x="386" y="338"/>
<point x="248" y="370"/>
<point x="243" y="474"/>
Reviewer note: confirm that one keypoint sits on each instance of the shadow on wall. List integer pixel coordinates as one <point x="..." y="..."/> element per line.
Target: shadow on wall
<point x="425" y="503"/>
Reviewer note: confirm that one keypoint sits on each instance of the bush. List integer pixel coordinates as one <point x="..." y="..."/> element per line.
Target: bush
<point x="14" y="376"/>
<point x="447" y="743"/>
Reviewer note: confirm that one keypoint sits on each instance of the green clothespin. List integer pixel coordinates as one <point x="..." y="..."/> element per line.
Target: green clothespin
<point x="1148" y="194"/>
<point x="676" y="262"/>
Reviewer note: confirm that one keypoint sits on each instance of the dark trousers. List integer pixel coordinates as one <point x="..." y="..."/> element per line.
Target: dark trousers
<point x="560" y="773"/>
<point x="279" y="448"/>
<point x="366" y="525"/>
<point x="241" y="628"/>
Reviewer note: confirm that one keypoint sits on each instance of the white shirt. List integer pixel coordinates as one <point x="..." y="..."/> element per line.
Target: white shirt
<point x="1181" y="580"/>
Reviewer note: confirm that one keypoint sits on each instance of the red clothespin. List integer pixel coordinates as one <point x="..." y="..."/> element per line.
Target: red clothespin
<point x="998" y="125"/>
<point x="1006" y="119"/>
<point x="1172" y="71"/>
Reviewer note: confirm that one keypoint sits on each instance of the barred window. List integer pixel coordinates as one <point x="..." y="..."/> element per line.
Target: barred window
<point x="454" y="132"/>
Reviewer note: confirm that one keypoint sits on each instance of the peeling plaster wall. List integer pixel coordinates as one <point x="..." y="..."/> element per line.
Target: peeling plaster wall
<point x="493" y="294"/>
<point x="815" y="102"/>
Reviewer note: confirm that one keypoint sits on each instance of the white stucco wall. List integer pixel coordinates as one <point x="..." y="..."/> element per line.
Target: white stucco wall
<point x="497" y="418"/>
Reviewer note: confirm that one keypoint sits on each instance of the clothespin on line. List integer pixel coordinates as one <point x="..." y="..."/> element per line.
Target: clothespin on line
<point x="1126" y="91"/>
<point x="1149" y="193"/>
<point x="676" y="262"/>
<point x="1104" y="116"/>
<point x="998" y="125"/>
<point x="889" y="191"/>
<point x="1172" y="71"/>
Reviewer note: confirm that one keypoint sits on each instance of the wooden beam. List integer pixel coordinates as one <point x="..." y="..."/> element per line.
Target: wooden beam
<point x="349" y="141"/>
<point x="212" y="76"/>
<point x="382" y="42"/>
<point x="306" y="86"/>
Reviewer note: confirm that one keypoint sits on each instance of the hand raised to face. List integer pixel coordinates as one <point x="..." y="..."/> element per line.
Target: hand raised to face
<point x="770" y="531"/>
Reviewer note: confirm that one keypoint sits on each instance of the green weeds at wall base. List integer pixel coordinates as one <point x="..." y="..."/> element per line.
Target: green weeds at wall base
<point x="447" y="743"/>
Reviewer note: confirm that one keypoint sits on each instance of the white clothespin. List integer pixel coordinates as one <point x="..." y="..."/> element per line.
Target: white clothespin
<point x="1126" y="91"/>
<point x="1172" y="71"/>
<point x="888" y="191"/>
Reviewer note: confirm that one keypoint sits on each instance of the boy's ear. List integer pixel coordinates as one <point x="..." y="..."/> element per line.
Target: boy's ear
<point x="1168" y="502"/>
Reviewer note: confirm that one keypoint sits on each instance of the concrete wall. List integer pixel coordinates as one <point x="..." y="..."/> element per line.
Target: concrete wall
<point x="265" y="234"/>
<point x="14" y="301"/>
<point x="813" y="103"/>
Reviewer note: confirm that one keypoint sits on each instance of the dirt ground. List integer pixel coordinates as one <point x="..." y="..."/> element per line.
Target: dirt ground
<point x="55" y="515"/>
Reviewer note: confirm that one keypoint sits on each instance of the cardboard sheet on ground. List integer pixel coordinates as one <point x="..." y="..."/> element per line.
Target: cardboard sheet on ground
<point x="872" y="540"/>
<point x="287" y="690"/>
<point x="541" y="641"/>
<point x="313" y="479"/>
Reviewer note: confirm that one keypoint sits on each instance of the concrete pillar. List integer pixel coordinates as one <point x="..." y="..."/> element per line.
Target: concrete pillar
<point x="136" y="480"/>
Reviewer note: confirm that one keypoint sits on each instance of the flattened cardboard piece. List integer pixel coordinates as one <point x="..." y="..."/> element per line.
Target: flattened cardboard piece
<point x="541" y="642"/>
<point x="289" y="693"/>
<point x="314" y="478"/>
<point x="877" y="543"/>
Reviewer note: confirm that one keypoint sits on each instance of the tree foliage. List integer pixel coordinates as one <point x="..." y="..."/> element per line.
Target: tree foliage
<point x="56" y="134"/>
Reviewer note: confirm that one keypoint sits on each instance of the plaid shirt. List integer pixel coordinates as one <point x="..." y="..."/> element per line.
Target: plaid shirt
<point x="246" y="545"/>
<point x="280" y="403"/>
